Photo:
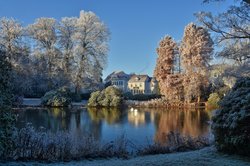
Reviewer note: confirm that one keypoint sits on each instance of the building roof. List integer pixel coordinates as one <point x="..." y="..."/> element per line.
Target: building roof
<point x="117" y="75"/>
<point x="139" y="78"/>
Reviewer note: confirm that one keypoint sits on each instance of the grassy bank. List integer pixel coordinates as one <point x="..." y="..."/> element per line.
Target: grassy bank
<point x="206" y="156"/>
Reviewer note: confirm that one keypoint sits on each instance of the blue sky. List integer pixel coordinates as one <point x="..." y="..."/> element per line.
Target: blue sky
<point x="136" y="26"/>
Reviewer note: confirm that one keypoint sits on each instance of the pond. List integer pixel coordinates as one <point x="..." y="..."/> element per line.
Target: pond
<point x="141" y="126"/>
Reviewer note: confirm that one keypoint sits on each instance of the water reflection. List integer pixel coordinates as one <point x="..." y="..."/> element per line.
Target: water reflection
<point x="110" y="115"/>
<point x="139" y="125"/>
<point x="186" y="122"/>
<point x="137" y="117"/>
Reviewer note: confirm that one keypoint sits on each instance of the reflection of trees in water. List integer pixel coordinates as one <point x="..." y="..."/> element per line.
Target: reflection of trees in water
<point x="110" y="115"/>
<point x="186" y="122"/>
<point x="48" y="118"/>
<point x="76" y="122"/>
<point x="38" y="118"/>
<point x="88" y="126"/>
<point x="83" y="121"/>
<point x="58" y="119"/>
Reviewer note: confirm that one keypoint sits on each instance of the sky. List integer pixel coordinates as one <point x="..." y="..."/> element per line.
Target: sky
<point x="136" y="26"/>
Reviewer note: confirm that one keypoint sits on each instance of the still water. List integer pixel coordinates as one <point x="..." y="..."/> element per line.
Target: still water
<point x="141" y="126"/>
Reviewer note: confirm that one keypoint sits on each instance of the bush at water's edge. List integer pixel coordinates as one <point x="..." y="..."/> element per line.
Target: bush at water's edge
<point x="213" y="101"/>
<point x="109" y="97"/>
<point x="57" y="98"/>
<point x="231" y="123"/>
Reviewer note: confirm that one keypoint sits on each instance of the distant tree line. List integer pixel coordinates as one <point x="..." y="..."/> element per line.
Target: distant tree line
<point x="49" y="54"/>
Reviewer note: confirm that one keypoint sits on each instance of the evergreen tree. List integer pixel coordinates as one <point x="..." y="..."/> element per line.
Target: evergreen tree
<point x="6" y="117"/>
<point x="170" y="82"/>
<point x="196" y="51"/>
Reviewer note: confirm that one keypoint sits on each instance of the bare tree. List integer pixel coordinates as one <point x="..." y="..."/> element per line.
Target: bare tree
<point x="232" y="29"/>
<point x="232" y="24"/>
<point x="237" y="50"/>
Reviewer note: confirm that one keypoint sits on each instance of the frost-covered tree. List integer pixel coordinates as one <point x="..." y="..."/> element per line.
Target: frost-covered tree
<point x="231" y="27"/>
<point x="232" y="24"/>
<point x="231" y="125"/>
<point x="170" y="83"/>
<point x="67" y="29"/>
<point x="237" y="50"/>
<point x="91" y="46"/>
<point x="166" y="54"/>
<point x="232" y="34"/>
<point x="5" y="79"/>
<point x="43" y="31"/>
<point x="196" y="50"/>
<point x="71" y="52"/>
<point x="11" y="34"/>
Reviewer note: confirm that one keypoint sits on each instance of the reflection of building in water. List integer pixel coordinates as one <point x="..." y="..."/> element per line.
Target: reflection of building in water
<point x="136" y="117"/>
<point x="186" y="122"/>
<point x="152" y="116"/>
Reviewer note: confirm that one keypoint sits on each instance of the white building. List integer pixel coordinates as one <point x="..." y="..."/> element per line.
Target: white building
<point x="136" y="84"/>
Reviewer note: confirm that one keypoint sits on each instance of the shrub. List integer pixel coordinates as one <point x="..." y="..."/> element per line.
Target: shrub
<point x="93" y="101"/>
<point x="57" y="98"/>
<point x="41" y="145"/>
<point x="175" y="143"/>
<point x="213" y="100"/>
<point x="109" y="97"/>
<point x="223" y="91"/>
<point x="231" y="125"/>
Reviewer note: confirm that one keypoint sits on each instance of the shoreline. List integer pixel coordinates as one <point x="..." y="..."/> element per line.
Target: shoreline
<point x="31" y="103"/>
